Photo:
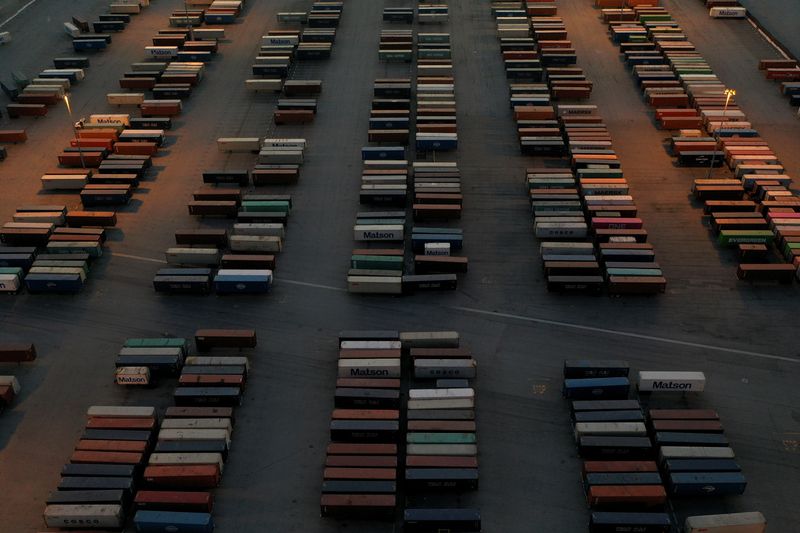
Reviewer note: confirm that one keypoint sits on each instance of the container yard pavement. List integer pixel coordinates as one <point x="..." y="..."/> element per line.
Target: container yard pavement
<point x="779" y="18"/>
<point x="740" y="335"/>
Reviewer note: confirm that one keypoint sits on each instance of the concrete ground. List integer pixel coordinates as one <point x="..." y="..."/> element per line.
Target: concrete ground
<point x="740" y="335"/>
<point x="780" y="19"/>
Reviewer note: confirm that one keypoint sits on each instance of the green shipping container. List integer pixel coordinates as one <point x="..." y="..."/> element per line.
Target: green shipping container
<point x="437" y="53"/>
<point x="11" y="270"/>
<point x="599" y="173"/>
<point x="157" y="343"/>
<point x="634" y="272"/>
<point x="440" y="438"/>
<point x="395" y="55"/>
<point x="743" y="236"/>
<point x="264" y="205"/>
<point x="376" y="262"/>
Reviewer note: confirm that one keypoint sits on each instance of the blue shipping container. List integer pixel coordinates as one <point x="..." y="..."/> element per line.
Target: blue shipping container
<point x="707" y="483"/>
<point x="58" y="283"/>
<point x="172" y="522"/>
<point x="616" y="388"/>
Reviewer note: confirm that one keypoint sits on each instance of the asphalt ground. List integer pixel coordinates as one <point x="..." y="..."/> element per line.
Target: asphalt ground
<point x="740" y="335"/>
<point x="779" y="18"/>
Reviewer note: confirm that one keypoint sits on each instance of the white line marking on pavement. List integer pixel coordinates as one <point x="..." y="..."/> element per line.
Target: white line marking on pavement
<point x="766" y="37"/>
<point x="306" y="284"/>
<point x="625" y="334"/>
<point x="279" y="280"/>
<point x="549" y="322"/>
<point x="20" y="10"/>
<point x="139" y="257"/>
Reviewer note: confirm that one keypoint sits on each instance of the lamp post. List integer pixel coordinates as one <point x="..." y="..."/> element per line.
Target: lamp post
<point x="75" y="126"/>
<point x="189" y="22"/>
<point x="729" y="93"/>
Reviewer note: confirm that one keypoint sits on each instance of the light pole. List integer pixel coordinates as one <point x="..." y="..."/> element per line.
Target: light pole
<point x="728" y="94"/>
<point x="189" y="22"/>
<point x="75" y="126"/>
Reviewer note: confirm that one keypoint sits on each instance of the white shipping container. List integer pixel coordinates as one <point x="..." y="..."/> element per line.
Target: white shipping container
<point x="752" y="522"/>
<point x="71" y="29"/>
<point x="651" y="381"/>
<point x="695" y="452"/>
<point x="58" y="270"/>
<point x="54" y="217"/>
<point x="214" y="360"/>
<point x="566" y="248"/>
<point x="555" y="230"/>
<point x="370" y="345"/>
<point x="255" y="228"/>
<point x="369" y="368"/>
<point x="64" y="83"/>
<point x="203" y="34"/>
<point x="267" y="85"/>
<point x="432" y="394"/>
<point x="280" y="157"/>
<point x="238" y="144"/>
<point x="430" y="339"/>
<point x="10" y="381"/>
<point x="111" y="120"/>
<point x="133" y="375"/>
<point x="77" y="515"/>
<point x="444" y="368"/>
<point x="195" y="434"/>
<point x="255" y="243"/>
<point x="375" y="284"/>
<point x="387" y="232"/>
<point x="44" y="90"/>
<point x="77" y="72"/>
<point x="161" y="51"/>
<point x="186" y="459"/>
<point x="197" y="423"/>
<point x="28" y="225"/>
<point x="9" y="283"/>
<point x="727" y="12"/>
<point x="293" y="144"/>
<point x="129" y="9"/>
<point x="437" y="248"/>
<point x="446" y="403"/>
<point x="192" y="256"/>
<point x="278" y="40"/>
<point x="125" y="98"/>
<point x="628" y="429"/>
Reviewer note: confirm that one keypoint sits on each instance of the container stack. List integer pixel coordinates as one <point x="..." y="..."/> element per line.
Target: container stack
<point x="396" y="46"/>
<point x="429" y="13"/>
<point x="237" y="263"/>
<point x="360" y="476"/>
<point x="441" y="444"/>
<point x="746" y="208"/>
<point x="620" y="475"/>
<point x="441" y="459"/>
<point x="437" y="129"/>
<point x="695" y="455"/>
<point x="49" y="249"/>
<point x="187" y="462"/>
<point x="217" y="379"/>
<point x="101" y="478"/>
<point x="142" y="361"/>
<point x="787" y="72"/>
<point x="325" y="14"/>
<point x="403" y="15"/>
<point x="279" y="161"/>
